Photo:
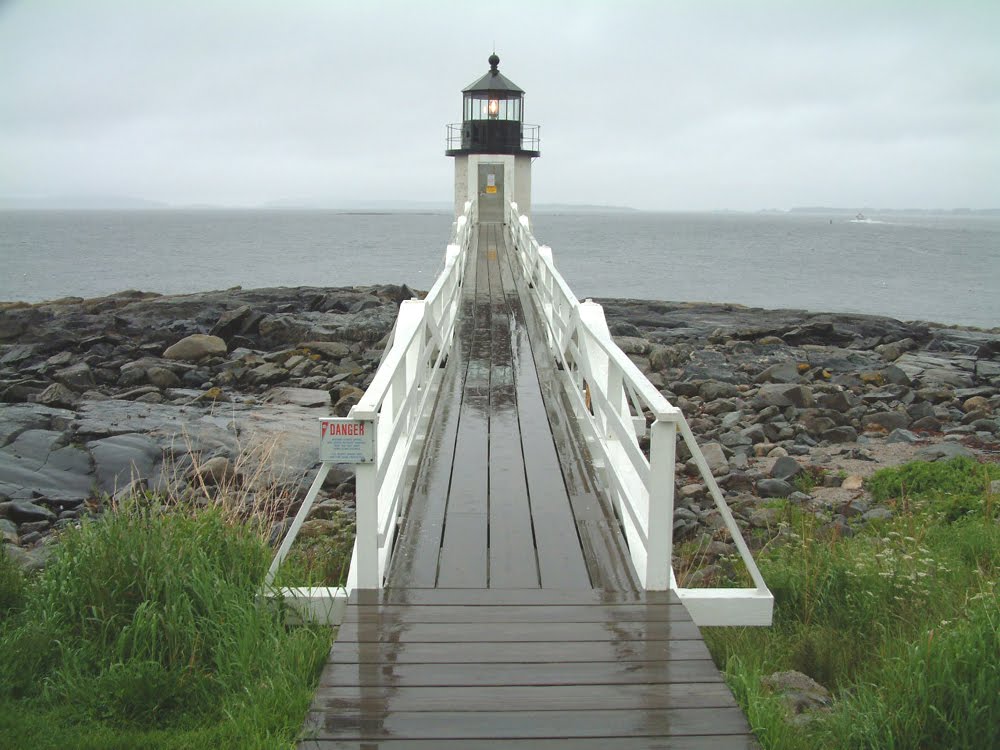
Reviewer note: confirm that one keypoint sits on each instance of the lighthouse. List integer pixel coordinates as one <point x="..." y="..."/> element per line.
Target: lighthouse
<point x="493" y="147"/>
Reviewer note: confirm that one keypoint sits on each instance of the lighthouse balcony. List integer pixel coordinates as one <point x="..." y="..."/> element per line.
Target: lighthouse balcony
<point x="492" y="137"/>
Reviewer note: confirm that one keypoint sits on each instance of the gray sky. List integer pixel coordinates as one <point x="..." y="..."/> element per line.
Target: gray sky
<point x="658" y="105"/>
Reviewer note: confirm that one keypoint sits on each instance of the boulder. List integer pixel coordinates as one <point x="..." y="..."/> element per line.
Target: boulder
<point x="774" y="488"/>
<point x="196" y="347"/>
<point x="29" y="560"/>
<point x="782" y="395"/>
<point x="713" y="389"/>
<point x="800" y="693"/>
<point x="25" y="511"/>
<point x="308" y="397"/>
<point x="59" y="396"/>
<point x="121" y="459"/>
<point x="977" y="403"/>
<point x="78" y="377"/>
<point x="885" y="421"/>
<point x="161" y="377"/>
<point x="632" y="344"/>
<point x="783" y="372"/>
<point x="942" y="452"/>
<point x="786" y="468"/>
<point x="715" y="457"/>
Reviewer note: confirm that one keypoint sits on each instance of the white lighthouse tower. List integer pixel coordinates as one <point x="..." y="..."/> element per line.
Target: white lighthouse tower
<point x="492" y="147"/>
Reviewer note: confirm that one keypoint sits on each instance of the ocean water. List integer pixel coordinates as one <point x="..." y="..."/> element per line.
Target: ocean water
<point x="937" y="268"/>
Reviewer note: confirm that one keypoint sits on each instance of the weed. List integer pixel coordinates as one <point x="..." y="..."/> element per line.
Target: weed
<point x="149" y="618"/>
<point x="899" y="621"/>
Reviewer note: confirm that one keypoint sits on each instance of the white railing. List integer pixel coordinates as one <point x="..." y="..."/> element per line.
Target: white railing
<point x="396" y="405"/>
<point x="611" y="398"/>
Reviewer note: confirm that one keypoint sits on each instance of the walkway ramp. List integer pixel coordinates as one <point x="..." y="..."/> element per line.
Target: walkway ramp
<point x="493" y="506"/>
<point x="511" y="613"/>
<point x="521" y="668"/>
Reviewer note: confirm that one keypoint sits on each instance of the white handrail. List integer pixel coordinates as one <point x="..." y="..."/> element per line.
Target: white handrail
<point x="396" y="404"/>
<point x="611" y="398"/>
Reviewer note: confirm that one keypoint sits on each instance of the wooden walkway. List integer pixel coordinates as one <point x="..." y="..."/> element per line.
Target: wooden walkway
<point x="511" y="616"/>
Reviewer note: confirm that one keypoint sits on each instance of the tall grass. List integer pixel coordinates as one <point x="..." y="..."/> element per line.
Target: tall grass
<point x="146" y="623"/>
<point x="900" y="621"/>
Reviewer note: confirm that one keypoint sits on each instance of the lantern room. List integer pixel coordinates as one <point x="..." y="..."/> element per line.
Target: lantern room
<point x="493" y="146"/>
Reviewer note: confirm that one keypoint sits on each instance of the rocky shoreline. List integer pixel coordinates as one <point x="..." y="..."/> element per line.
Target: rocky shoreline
<point x="104" y="396"/>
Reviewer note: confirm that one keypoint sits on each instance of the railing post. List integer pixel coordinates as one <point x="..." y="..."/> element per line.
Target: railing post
<point x="366" y="508"/>
<point x="660" y="528"/>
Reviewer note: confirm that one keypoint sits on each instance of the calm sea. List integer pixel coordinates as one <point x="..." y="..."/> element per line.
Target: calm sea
<point x="940" y="268"/>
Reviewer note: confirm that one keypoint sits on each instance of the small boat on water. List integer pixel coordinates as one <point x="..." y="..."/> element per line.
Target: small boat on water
<point x="860" y="217"/>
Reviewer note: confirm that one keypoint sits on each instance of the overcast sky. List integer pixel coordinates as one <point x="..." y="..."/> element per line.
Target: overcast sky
<point x="657" y="105"/>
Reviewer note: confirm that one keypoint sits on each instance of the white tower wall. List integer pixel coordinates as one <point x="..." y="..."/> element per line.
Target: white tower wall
<point x="516" y="179"/>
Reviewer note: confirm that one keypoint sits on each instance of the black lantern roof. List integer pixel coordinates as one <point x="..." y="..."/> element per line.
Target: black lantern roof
<point x="494" y="80"/>
<point x="492" y="118"/>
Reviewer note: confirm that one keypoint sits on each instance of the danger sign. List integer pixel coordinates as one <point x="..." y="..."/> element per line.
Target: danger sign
<point x="346" y="441"/>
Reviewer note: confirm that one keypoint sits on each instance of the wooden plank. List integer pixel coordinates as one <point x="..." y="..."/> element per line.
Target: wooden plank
<point x="513" y="563"/>
<point x="603" y="546"/>
<point x="470" y="470"/>
<point x="487" y="614"/>
<point x="520" y="597"/>
<point x="698" y="742"/>
<point x="463" y="551"/>
<point x="539" y="673"/>
<point x="517" y="631"/>
<point x="512" y="698"/>
<point x="528" y="652"/>
<point x="415" y="554"/>
<point x="529" y="724"/>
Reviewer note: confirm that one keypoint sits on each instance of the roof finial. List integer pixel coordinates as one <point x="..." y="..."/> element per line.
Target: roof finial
<point x="494" y="61"/>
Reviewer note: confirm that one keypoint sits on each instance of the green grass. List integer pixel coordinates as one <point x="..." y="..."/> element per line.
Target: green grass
<point x="901" y="621"/>
<point x="145" y="630"/>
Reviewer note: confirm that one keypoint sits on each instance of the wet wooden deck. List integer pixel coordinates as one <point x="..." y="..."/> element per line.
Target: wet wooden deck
<point x="511" y="615"/>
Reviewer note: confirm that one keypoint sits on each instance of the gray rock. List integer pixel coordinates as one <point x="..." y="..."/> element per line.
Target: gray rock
<point x="632" y="344"/>
<point x="834" y="401"/>
<point x="781" y="395"/>
<point x="65" y="479"/>
<point x="991" y="426"/>
<point x="774" y="488"/>
<point x="8" y="532"/>
<point x="121" y="459"/>
<point x="764" y="518"/>
<point x="29" y="560"/>
<point x="196" y="347"/>
<point x="877" y="514"/>
<point x="714" y="389"/>
<point x="786" y="468"/>
<point x="36" y="444"/>
<point x="22" y="510"/>
<point x="840" y="435"/>
<point x="299" y="396"/>
<point x="266" y="373"/>
<point x="942" y="452"/>
<point x="902" y="436"/>
<point x="800" y="693"/>
<point x="731" y="419"/>
<point x="783" y="372"/>
<point x="333" y="350"/>
<point x="716" y="458"/>
<point x="161" y="377"/>
<point x="886" y="420"/>
<point x="215" y="471"/>
<point x="233" y="322"/>
<point x="78" y="377"/>
<point x="59" y="396"/>
<point x="929" y="423"/>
